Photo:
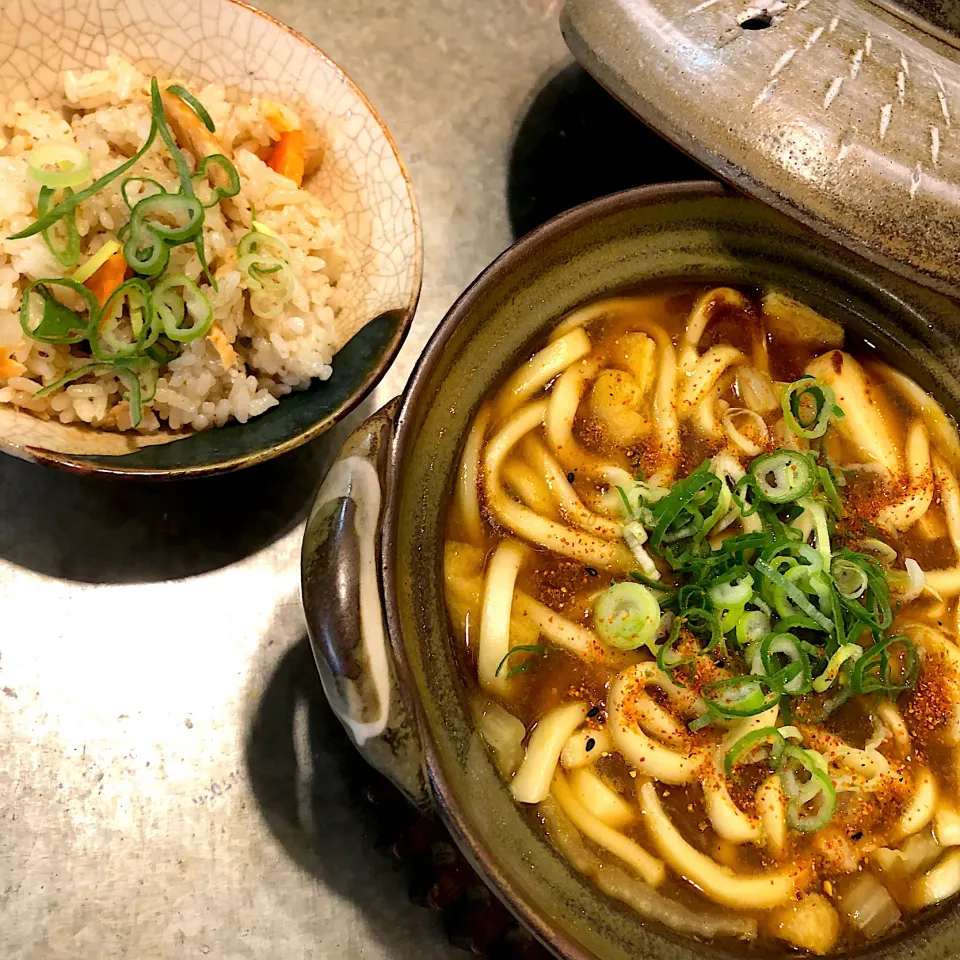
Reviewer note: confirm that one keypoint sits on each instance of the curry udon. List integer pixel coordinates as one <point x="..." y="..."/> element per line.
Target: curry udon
<point x="702" y="565"/>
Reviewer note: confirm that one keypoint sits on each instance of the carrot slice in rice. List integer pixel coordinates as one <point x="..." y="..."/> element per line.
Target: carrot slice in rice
<point x="8" y="366"/>
<point x="288" y="156"/>
<point x="107" y="277"/>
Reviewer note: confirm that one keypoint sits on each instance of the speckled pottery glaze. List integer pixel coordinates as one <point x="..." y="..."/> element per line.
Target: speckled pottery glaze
<point x="842" y="115"/>
<point x="379" y="628"/>
<point x="362" y="180"/>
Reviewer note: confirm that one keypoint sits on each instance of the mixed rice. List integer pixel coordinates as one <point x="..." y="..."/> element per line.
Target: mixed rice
<point x="270" y="330"/>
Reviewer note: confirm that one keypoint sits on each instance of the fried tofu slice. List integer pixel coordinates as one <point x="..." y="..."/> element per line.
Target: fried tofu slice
<point x="792" y="322"/>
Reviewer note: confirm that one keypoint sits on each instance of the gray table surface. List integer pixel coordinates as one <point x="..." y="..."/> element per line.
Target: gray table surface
<point x="171" y="783"/>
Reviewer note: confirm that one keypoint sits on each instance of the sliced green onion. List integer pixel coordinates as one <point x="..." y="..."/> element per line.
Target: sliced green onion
<point x="67" y="252"/>
<point x="265" y="271"/>
<point x="679" y="514"/>
<point x="194" y="104"/>
<point x="762" y="605"/>
<point x="652" y="584"/>
<point x="634" y="536"/>
<point x="163" y="350"/>
<point x="735" y="592"/>
<point x="884" y="551"/>
<point x="521" y="667"/>
<point x="131" y="381"/>
<point x="730" y="617"/>
<point x="626" y="615"/>
<point x="849" y="651"/>
<point x="791" y="733"/>
<point x="819" y="583"/>
<point x="798" y="576"/>
<point x="86" y="270"/>
<point x="818" y="788"/>
<point x="58" y="165"/>
<point x="795" y="594"/>
<point x="790" y="624"/>
<point x="149" y="376"/>
<point x="126" y="321"/>
<point x="159" y="188"/>
<point x="264" y="242"/>
<point x="691" y="596"/>
<point x="271" y="283"/>
<point x="218" y="192"/>
<point x="144" y="249"/>
<point x="799" y="763"/>
<point x="709" y="717"/>
<point x="821" y="529"/>
<point x="172" y="216"/>
<point x="183" y="310"/>
<point x="700" y="624"/>
<point x="753" y="626"/>
<point x="792" y="473"/>
<point x="722" y="508"/>
<point x="873" y="606"/>
<point x="874" y="672"/>
<point x="794" y="678"/>
<point x="812" y="559"/>
<point x="807" y="406"/>
<point x="740" y="696"/>
<point x="58" y="323"/>
<point x="743" y="542"/>
<point x="650" y="493"/>
<point x="767" y="737"/>
<point x="827" y="482"/>
<point x="75" y="374"/>
<point x="850" y="579"/>
<point x="668" y="659"/>
<point x="747" y="484"/>
<point x="732" y="587"/>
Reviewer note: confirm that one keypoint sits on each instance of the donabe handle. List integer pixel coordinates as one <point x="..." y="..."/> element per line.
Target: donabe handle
<point x="343" y="602"/>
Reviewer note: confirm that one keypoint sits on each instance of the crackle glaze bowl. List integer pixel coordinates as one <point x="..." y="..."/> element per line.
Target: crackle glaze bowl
<point x="362" y="180"/>
<point x="371" y="577"/>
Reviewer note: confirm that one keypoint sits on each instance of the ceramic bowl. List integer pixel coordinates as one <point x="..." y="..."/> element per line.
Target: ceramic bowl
<point x="362" y="180"/>
<point x="372" y="585"/>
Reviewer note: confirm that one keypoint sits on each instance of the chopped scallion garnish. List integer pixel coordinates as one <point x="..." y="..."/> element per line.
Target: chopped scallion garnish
<point x="195" y="105"/>
<point x="523" y="666"/>
<point x="627" y="615"/>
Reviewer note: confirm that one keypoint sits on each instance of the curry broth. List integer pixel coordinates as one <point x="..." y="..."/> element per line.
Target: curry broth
<point x="544" y="676"/>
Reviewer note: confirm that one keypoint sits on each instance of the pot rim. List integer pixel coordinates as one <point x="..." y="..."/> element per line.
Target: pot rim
<point x="441" y="789"/>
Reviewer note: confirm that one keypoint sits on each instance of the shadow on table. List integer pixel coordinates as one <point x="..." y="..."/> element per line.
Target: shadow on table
<point x="575" y="143"/>
<point x="337" y="818"/>
<point x="107" y="530"/>
<point x="314" y="791"/>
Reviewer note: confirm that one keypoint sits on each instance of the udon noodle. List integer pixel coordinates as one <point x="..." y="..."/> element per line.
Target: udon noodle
<point x="704" y="561"/>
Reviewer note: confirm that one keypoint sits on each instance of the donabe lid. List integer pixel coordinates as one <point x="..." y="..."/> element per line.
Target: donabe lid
<point x="844" y="115"/>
